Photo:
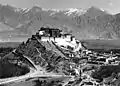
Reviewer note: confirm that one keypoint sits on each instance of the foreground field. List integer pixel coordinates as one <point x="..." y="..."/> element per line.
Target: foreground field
<point x="9" y="44"/>
<point x="6" y="47"/>
<point x="102" y="45"/>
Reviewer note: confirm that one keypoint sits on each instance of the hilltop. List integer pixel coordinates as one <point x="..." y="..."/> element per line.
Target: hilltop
<point x="51" y="55"/>
<point x="42" y="54"/>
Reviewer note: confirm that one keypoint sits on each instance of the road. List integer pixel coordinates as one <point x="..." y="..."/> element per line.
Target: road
<point x="32" y="74"/>
<point x="35" y="72"/>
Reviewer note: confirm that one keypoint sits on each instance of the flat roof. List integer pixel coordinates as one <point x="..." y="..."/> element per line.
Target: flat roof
<point x="45" y="28"/>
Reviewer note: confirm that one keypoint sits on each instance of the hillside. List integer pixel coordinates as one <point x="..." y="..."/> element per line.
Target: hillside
<point x="46" y="59"/>
<point x="37" y="58"/>
<point x="36" y="54"/>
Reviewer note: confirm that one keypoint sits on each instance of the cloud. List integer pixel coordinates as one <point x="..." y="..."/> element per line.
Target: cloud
<point x="110" y="3"/>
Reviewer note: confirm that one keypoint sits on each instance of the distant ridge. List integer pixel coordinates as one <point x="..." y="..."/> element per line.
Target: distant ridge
<point x="92" y="23"/>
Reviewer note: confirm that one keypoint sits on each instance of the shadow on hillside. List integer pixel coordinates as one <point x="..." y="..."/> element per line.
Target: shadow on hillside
<point x="45" y="83"/>
<point x="5" y="50"/>
<point x="8" y="69"/>
<point x="105" y="72"/>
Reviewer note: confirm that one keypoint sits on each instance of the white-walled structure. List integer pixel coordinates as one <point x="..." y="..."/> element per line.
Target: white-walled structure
<point x="47" y="39"/>
<point x="78" y="47"/>
<point x="61" y="39"/>
<point x="41" y="32"/>
<point x="64" y="41"/>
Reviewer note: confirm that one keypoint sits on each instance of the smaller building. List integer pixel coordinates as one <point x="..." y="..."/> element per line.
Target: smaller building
<point x="41" y="33"/>
<point x="50" y="32"/>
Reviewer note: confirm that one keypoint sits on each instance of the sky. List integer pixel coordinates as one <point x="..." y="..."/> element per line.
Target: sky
<point x="112" y="6"/>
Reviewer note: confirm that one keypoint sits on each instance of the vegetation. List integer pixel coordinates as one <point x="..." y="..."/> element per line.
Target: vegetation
<point x="106" y="71"/>
<point x="8" y="69"/>
<point x="5" y="50"/>
<point x="7" y="47"/>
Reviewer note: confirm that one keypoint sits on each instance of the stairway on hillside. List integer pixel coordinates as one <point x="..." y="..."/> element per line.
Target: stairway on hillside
<point x="52" y="46"/>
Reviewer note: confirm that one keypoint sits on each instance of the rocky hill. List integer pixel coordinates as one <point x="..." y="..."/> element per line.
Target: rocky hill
<point x="44" y="59"/>
<point x="37" y="54"/>
<point x="40" y="57"/>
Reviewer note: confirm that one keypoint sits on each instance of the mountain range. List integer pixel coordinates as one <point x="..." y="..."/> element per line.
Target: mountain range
<point x="18" y="24"/>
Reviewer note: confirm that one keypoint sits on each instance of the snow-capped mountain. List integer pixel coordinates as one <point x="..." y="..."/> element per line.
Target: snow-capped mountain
<point x="92" y="22"/>
<point x="74" y="11"/>
<point x="67" y="12"/>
